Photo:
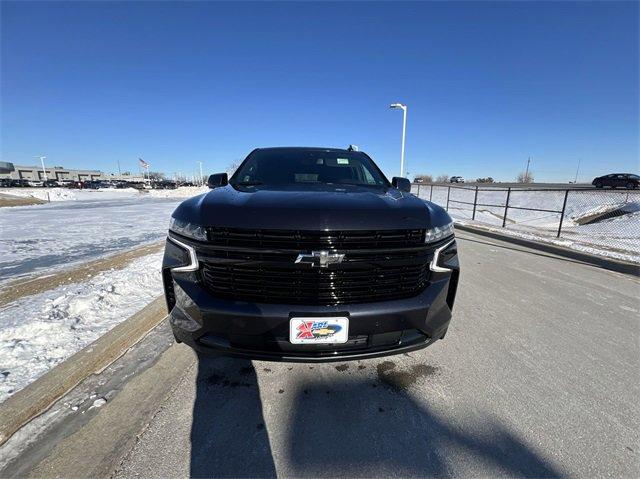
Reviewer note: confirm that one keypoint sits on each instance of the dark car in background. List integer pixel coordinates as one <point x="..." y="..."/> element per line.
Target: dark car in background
<point x="617" y="180"/>
<point x="20" y="183"/>
<point x="93" y="185"/>
<point x="309" y="254"/>
<point x="164" y="185"/>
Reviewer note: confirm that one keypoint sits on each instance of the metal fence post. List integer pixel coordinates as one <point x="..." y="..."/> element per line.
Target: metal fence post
<point x="431" y="193"/>
<point x="448" y="193"/>
<point x="506" y="208"/>
<point x="564" y="207"/>
<point x="475" y="200"/>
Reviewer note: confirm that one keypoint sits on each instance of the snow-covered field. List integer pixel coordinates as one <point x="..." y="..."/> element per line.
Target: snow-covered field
<point x="66" y="194"/>
<point x="87" y="226"/>
<point x="582" y="229"/>
<point x="38" y="332"/>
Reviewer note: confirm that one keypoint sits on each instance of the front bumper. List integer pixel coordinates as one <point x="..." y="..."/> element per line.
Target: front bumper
<point x="218" y="326"/>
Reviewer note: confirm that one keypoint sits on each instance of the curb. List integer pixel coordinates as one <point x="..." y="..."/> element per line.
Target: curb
<point x="35" y="285"/>
<point x="41" y="394"/>
<point x="599" y="261"/>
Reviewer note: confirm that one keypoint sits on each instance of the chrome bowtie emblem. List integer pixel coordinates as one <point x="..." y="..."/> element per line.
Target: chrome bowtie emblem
<point x="320" y="259"/>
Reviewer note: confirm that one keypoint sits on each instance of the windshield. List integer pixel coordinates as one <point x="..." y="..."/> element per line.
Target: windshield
<point x="296" y="166"/>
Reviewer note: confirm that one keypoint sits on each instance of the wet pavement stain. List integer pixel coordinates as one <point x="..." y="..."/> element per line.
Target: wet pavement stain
<point x="399" y="380"/>
<point x="342" y="367"/>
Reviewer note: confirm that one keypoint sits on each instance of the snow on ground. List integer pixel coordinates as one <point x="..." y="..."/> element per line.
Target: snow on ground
<point x="67" y="194"/>
<point x="182" y="192"/>
<point x="617" y="237"/>
<point x="37" y="332"/>
<point x="53" y="235"/>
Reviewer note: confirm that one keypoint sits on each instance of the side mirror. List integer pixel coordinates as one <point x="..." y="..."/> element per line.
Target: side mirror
<point x="401" y="183"/>
<point x="219" y="179"/>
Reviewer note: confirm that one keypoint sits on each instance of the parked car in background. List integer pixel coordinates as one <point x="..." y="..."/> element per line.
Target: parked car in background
<point x="617" y="180"/>
<point x="456" y="179"/>
<point x="5" y="182"/>
<point x="21" y="183"/>
<point x="94" y="184"/>
<point x="50" y="183"/>
<point x="35" y="182"/>
<point x="163" y="185"/>
<point x="65" y="182"/>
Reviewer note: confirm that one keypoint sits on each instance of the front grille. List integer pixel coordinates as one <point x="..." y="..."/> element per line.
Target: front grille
<point x="322" y="240"/>
<point x="259" y="266"/>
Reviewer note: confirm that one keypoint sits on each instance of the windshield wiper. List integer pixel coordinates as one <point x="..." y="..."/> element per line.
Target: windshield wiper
<point x="248" y="183"/>
<point x="353" y="183"/>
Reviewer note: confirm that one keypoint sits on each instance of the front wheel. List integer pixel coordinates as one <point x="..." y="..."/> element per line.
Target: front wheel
<point x="631" y="186"/>
<point x="598" y="184"/>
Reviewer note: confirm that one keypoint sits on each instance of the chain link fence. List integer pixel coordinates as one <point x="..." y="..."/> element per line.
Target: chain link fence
<point x="600" y="221"/>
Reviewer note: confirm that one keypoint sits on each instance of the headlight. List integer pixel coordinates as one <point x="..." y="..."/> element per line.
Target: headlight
<point x="190" y="230"/>
<point x="438" y="233"/>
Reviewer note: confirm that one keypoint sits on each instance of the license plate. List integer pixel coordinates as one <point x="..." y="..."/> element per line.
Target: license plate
<point x="334" y="330"/>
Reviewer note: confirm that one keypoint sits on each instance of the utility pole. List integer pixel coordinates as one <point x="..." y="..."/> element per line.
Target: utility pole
<point x="575" y="180"/>
<point x="200" y="182"/>
<point x="44" y="171"/>
<point x="119" y="172"/>
<point x="526" y="173"/>
<point x="404" y="131"/>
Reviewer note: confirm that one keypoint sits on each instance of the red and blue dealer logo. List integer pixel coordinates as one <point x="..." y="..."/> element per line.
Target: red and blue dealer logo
<point x="317" y="329"/>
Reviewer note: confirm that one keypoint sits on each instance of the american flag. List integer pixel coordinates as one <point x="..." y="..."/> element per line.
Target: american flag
<point x="143" y="163"/>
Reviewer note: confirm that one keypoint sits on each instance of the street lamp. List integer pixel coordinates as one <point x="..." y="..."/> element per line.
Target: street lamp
<point x="200" y="182"/>
<point x="404" y="130"/>
<point x="44" y="172"/>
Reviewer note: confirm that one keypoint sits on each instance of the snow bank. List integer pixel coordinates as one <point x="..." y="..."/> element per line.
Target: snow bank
<point x="181" y="192"/>
<point x="66" y="194"/>
<point x="37" y="332"/>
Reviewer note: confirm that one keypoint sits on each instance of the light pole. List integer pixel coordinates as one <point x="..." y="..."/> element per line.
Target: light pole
<point x="404" y="131"/>
<point x="44" y="172"/>
<point x="201" y="177"/>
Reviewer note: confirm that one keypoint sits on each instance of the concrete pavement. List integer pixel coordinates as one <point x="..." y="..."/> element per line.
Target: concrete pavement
<point x="538" y="376"/>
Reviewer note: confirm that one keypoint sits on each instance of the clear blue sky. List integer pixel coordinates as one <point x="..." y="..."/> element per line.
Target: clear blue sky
<point x="487" y="84"/>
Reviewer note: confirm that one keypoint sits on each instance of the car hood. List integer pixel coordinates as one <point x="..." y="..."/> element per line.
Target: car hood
<point x="317" y="207"/>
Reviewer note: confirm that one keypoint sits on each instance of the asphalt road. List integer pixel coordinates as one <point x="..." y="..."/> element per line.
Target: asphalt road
<point x="538" y="376"/>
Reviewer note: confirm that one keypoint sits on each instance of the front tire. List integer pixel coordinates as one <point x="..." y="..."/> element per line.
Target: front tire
<point x="598" y="184"/>
<point x="631" y="186"/>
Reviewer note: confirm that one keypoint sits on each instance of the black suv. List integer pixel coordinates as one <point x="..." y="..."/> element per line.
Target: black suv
<point x="309" y="254"/>
<point x="617" y="180"/>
